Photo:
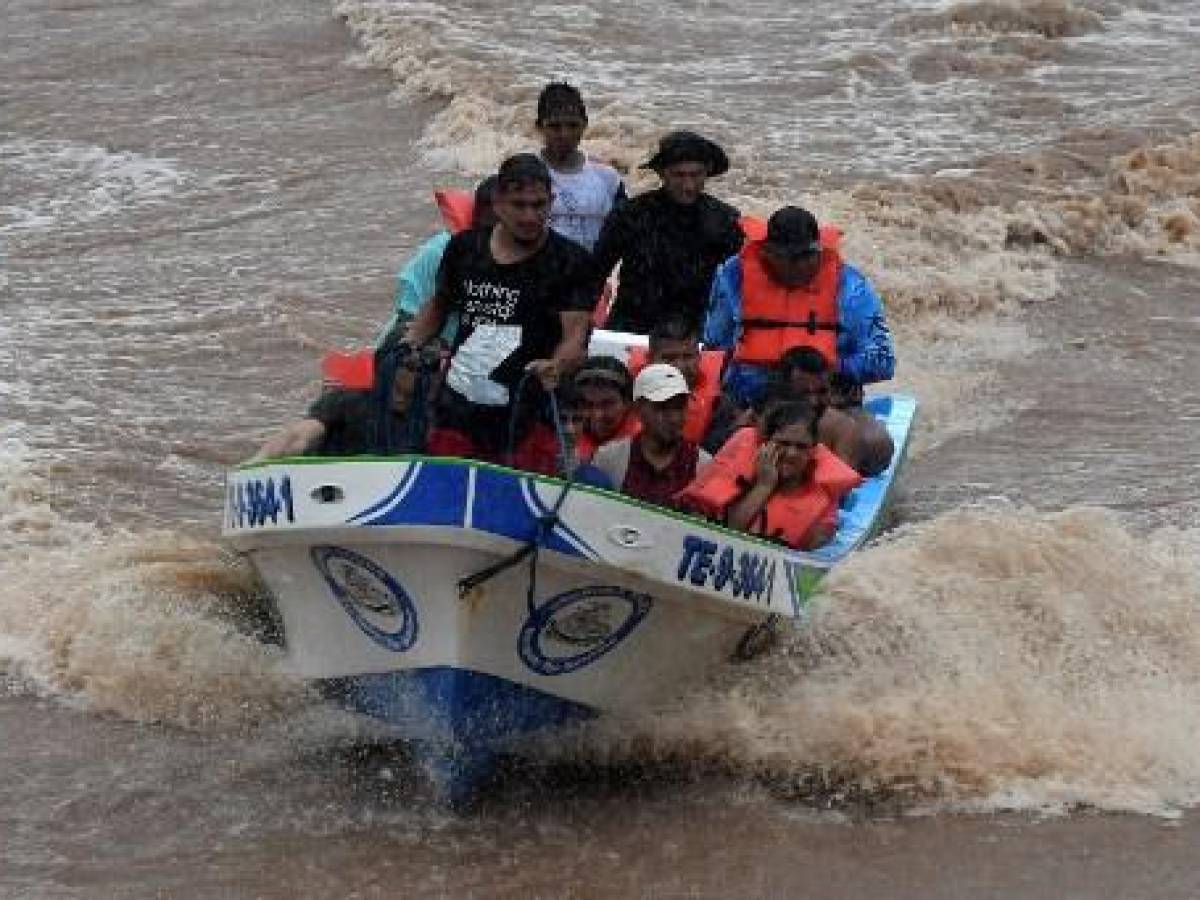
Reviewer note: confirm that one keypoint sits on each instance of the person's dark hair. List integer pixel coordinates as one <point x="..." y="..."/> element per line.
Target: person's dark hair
<point x="844" y="391"/>
<point x="521" y="170"/>
<point x="557" y="98"/>
<point x="568" y="394"/>
<point x="605" y="370"/>
<point x="793" y="412"/>
<point x="777" y="391"/>
<point x="808" y="360"/>
<point x="485" y="192"/>
<point x="673" y="328"/>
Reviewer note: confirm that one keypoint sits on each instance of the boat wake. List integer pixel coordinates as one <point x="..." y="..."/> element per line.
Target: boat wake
<point x="990" y="658"/>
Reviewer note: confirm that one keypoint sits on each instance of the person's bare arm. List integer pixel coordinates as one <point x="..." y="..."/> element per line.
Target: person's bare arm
<point x="569" y="353"/>
<point x="293" y="440"/>
<point x="821" y="533"/>
<point x="429" y="321"/>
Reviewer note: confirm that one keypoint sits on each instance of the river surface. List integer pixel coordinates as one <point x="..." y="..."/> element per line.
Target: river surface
<point x="999" y="699"/>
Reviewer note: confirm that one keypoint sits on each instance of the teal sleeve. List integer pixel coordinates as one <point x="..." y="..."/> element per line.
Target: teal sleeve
<point x="416" y="282"/>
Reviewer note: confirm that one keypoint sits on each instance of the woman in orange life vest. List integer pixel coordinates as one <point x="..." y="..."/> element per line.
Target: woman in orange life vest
<point x="786" y="487"/>
<point x="789" y="288"/>
<point x="606" y="401"/>
<point x="415" y="282"/>
<point x="675" y="341"/>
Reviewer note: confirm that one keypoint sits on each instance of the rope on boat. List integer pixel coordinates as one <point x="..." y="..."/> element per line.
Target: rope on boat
<point x="387" y="359"/>
<point x="545" y="523"/>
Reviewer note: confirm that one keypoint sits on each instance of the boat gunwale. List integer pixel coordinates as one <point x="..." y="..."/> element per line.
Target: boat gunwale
<point x="814" y="557"/>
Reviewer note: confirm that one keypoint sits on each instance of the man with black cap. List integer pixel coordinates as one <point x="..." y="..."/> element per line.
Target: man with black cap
<point x="524" y="296"/>
<point x="670" y="240"/>
<point x="792" y="289"/>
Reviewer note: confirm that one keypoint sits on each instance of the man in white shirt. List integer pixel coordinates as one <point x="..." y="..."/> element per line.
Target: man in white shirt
<point x="585" y="191"/>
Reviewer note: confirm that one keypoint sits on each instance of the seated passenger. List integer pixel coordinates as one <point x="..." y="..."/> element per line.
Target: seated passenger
<point x="783" y="485"/>
<point x="585" y="190"/>
<point x="792" y="289"/>
<point x="606" y="398"/>
<point x="578" y="450"/>
<point x="855" y="435"/>
<point x="658" y="462"/>
<point x="347" y="422"/>
<point x="675" y="340"/>
<point x="524" y="297"/>
<point x="416" y="282"/>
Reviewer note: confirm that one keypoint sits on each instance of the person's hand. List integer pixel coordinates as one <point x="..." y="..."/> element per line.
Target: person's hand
<point x="766" y="466"/>
<point x="547" y="372"/>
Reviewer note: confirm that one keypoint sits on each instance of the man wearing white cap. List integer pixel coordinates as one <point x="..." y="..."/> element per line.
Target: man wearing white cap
<point x="657" y="463"/>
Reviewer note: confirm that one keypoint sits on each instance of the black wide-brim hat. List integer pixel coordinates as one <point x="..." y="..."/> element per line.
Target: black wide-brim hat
<point x="687" y="146"/>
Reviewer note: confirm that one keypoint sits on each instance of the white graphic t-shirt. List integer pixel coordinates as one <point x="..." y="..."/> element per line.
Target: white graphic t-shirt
<point x="582" y="200"/>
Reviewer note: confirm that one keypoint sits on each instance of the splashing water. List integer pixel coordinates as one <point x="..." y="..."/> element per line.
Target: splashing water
<point x="992" y="658"/>
<point x="156" y="628"/>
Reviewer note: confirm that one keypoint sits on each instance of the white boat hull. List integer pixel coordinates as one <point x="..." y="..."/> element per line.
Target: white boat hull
<point x="630" y="603"/>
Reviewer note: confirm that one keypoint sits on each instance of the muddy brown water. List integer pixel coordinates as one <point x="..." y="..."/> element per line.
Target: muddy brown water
<point x="195" y="198"/>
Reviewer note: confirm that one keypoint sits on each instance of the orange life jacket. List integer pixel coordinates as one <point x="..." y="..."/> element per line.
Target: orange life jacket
<point x="353" y="369"/>
<point x="788" y="515"/>
<point x="457" y="208"/>
<point x="777" y="318"/>
<point x="702" y="401"/>
<point x="585" y="447"/>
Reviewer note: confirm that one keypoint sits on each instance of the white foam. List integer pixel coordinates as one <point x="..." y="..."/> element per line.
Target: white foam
<point x="143" y="625"/>
<point x="58" y="182"/>
<point x="992" y="658"/>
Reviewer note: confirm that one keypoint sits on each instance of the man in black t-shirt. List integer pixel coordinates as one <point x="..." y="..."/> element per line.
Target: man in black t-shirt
<point x="524" y="297"/>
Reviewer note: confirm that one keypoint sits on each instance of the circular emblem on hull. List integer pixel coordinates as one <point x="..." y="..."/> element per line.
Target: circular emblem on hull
<point x="373" y="598"/>
<point x="576" y="628"/>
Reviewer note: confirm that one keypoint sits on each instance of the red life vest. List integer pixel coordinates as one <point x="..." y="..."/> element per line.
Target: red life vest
<point x="353" y="369"/>
<point x="585" y="447"/>
<point x="457" y="208"/>
<point x="702" y="401"/>
<point x="776" y="318"/>
<point x="788" y="515"/>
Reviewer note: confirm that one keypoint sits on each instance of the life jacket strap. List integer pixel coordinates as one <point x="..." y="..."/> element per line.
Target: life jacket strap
<point x="812" y="324"/>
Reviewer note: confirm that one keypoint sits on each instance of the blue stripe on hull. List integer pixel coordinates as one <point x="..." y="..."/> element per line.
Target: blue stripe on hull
<point x="456" y="705"/>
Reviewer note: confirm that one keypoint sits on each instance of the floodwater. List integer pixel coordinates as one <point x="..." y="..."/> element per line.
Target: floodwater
<point x="1000" y="699"/>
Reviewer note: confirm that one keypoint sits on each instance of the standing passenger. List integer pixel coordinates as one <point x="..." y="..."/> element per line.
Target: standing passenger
<point x="524" y="298"/>
<point x="585" y="191"/>
<point x="670" y="240"/>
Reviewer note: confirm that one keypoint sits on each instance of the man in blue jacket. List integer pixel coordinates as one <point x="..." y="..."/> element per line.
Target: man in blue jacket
<point x="790" y="253"/>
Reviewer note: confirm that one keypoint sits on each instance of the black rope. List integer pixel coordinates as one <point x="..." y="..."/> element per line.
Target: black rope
<point x="386" y="361"/>
<point x="545" y="523"/>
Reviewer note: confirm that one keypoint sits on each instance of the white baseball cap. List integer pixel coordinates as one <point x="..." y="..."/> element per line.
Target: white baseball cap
<point x="659" y="382"/>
